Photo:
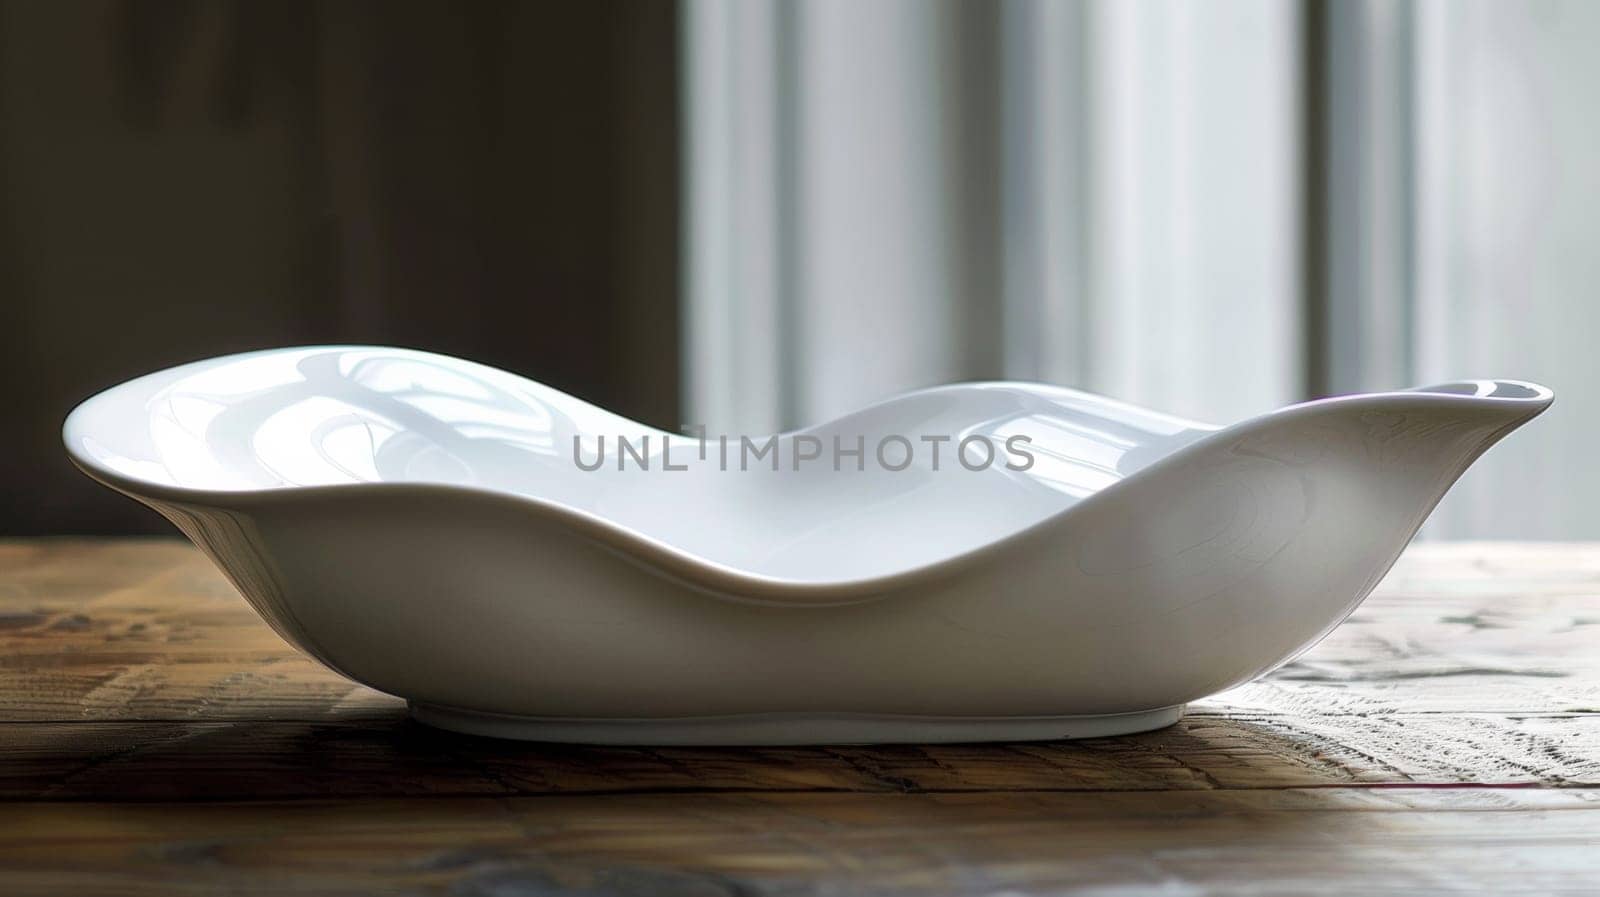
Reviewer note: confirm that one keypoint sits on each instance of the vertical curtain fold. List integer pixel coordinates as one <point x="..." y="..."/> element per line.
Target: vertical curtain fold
<point x="897" y="194"/>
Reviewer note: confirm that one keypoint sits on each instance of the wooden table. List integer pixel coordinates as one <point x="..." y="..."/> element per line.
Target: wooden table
<point x="156" y="738"/>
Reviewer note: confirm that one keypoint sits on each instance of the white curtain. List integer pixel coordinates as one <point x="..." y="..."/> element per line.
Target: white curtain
<point x="1212" y="209"/>
<point x="1508" y="260"/>
<point x="894" y="194"/>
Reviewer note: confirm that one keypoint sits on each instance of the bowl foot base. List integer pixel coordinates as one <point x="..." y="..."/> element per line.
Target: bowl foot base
<point x="793" y="728"/>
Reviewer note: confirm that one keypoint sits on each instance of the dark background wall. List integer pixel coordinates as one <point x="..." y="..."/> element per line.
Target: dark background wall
<point x="186" y="179"/>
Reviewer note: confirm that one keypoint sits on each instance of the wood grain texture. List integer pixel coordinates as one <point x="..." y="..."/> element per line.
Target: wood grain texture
<point x="1335" y="842"/>
<point x="156" y="737"/>
<point x="238" y="760"/>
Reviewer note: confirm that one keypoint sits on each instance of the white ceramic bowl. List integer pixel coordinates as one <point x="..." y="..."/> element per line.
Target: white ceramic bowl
<point x="421" y="524"/>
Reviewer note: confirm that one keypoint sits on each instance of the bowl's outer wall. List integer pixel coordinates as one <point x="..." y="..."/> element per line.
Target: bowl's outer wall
<point x="1199" y="573"/>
